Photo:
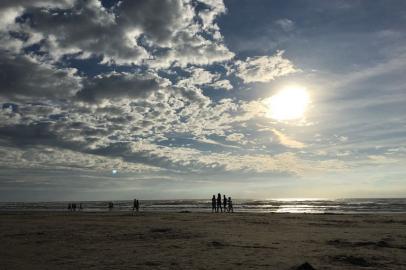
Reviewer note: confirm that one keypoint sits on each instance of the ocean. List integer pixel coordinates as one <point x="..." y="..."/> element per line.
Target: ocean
<point x="337" y="206"/>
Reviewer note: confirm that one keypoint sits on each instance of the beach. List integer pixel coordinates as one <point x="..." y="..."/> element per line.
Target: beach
<point x="118" y="240"/>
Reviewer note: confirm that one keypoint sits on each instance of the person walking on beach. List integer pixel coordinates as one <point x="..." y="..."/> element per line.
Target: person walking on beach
<point x="137" y="206"/>
<point x="219" y="203"/>
<point x="230" y="205"/>
<point x="224" y="202"/>
<point x="213" y="204"/>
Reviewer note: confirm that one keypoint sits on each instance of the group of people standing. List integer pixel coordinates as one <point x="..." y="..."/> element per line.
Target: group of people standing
<point x="217" y="205"/>
<point x="136" y="205"/>
<point x="72" y="207"/>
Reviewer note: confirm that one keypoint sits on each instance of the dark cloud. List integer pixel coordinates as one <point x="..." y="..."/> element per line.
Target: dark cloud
<point x="33" y="134"/>
<point x="23" y="76"/>
<point x="41" y="134"/>
<point x="116" y="85"/>
<point x="39" y="3"/>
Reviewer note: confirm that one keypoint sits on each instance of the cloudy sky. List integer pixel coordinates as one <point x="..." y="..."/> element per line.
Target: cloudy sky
<point x="186" y="98"/>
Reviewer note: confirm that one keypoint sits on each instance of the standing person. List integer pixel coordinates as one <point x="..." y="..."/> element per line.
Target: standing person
<point x="219" y="203"/>
<point x="134" y="205"/>
<point x="137" y="205"/>
<point x="213" y="204"/>
<point x="74" y="207"/>
<point x="224" y="202"/>
<point x="230" y="205"/>
<point x="70" y="207"/>
<point x="80" y="207"/>
<point x="111" y="205"/>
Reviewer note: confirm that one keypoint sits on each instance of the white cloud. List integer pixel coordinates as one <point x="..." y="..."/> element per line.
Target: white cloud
<point x="199" y="76"/>
<point x="381" y="159"/>
<point x="236" y="137"/>
<point x="287" y="141"/>
<point x="286" y="24"/>
<point x="264" y="68"/>
<point x="134" y="32"/>
<point x="208" y="16"/>
<point x="8" y="117"/>
<point x="222" y="84"/>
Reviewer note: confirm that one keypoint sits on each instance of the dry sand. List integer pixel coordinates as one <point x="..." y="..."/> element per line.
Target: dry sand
<point x="201" y="241"/>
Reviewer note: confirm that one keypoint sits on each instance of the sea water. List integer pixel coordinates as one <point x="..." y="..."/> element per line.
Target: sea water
<point x="340" y="206"/>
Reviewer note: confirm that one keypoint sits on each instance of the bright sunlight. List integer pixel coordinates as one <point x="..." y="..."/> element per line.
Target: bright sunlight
<point x="288" y="104"/>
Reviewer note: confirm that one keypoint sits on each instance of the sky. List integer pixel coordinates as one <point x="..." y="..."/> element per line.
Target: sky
<point x="172" y="99"/>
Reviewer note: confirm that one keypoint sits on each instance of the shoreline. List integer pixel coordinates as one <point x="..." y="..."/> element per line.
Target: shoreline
<point x="123" y="212"/>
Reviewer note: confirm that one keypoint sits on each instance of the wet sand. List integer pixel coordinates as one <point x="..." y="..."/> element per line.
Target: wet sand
<point x="201" y="241"/>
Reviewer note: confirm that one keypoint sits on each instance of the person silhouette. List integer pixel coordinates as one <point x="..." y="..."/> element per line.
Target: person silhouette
<point x="137" y="205"/>
<point x="224" y="202"/>
<point x="230" y="205"/>
<point x="111" y="205"/>
<point x="219" y="203"/>
<point x="134" y="205"/>
<point x="213" y="204"/>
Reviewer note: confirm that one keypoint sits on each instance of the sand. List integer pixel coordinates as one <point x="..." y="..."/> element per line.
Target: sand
<point x="201" y="241"/>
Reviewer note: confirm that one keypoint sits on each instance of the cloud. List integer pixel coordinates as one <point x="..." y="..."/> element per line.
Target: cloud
<point x="131" y="32"/>
<point x="281" y="163"/>
<point x="264" y="68"/>
<point x="199" y="76"/>
<point x="286" y="24"/>
<point x="193" y="160"/>
<point x="86" y="29"/>
<point x="40" y="3"/>
<point x="209" y="15"/>
<point x="236" y="137"/>
<point x="56" y="159"/>
<point x="141" y="96"/>
<point x="222" y="84"/>
<point x="8" y="116"/>
<point x="287" y="141"/>
<point x="24" y="76"/>
<point x="124" y="84"/>
<point x="131" y="85"/>
<point x="381" y="160"/>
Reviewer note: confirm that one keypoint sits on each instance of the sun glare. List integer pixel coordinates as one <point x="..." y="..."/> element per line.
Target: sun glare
<point x="288" y="104"/>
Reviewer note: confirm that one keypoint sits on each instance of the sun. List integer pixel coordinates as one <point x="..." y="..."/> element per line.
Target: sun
<point x="288" y="104"/>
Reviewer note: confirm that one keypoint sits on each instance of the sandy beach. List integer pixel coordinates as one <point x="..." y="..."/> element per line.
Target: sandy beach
<point x="38" y="240"/>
